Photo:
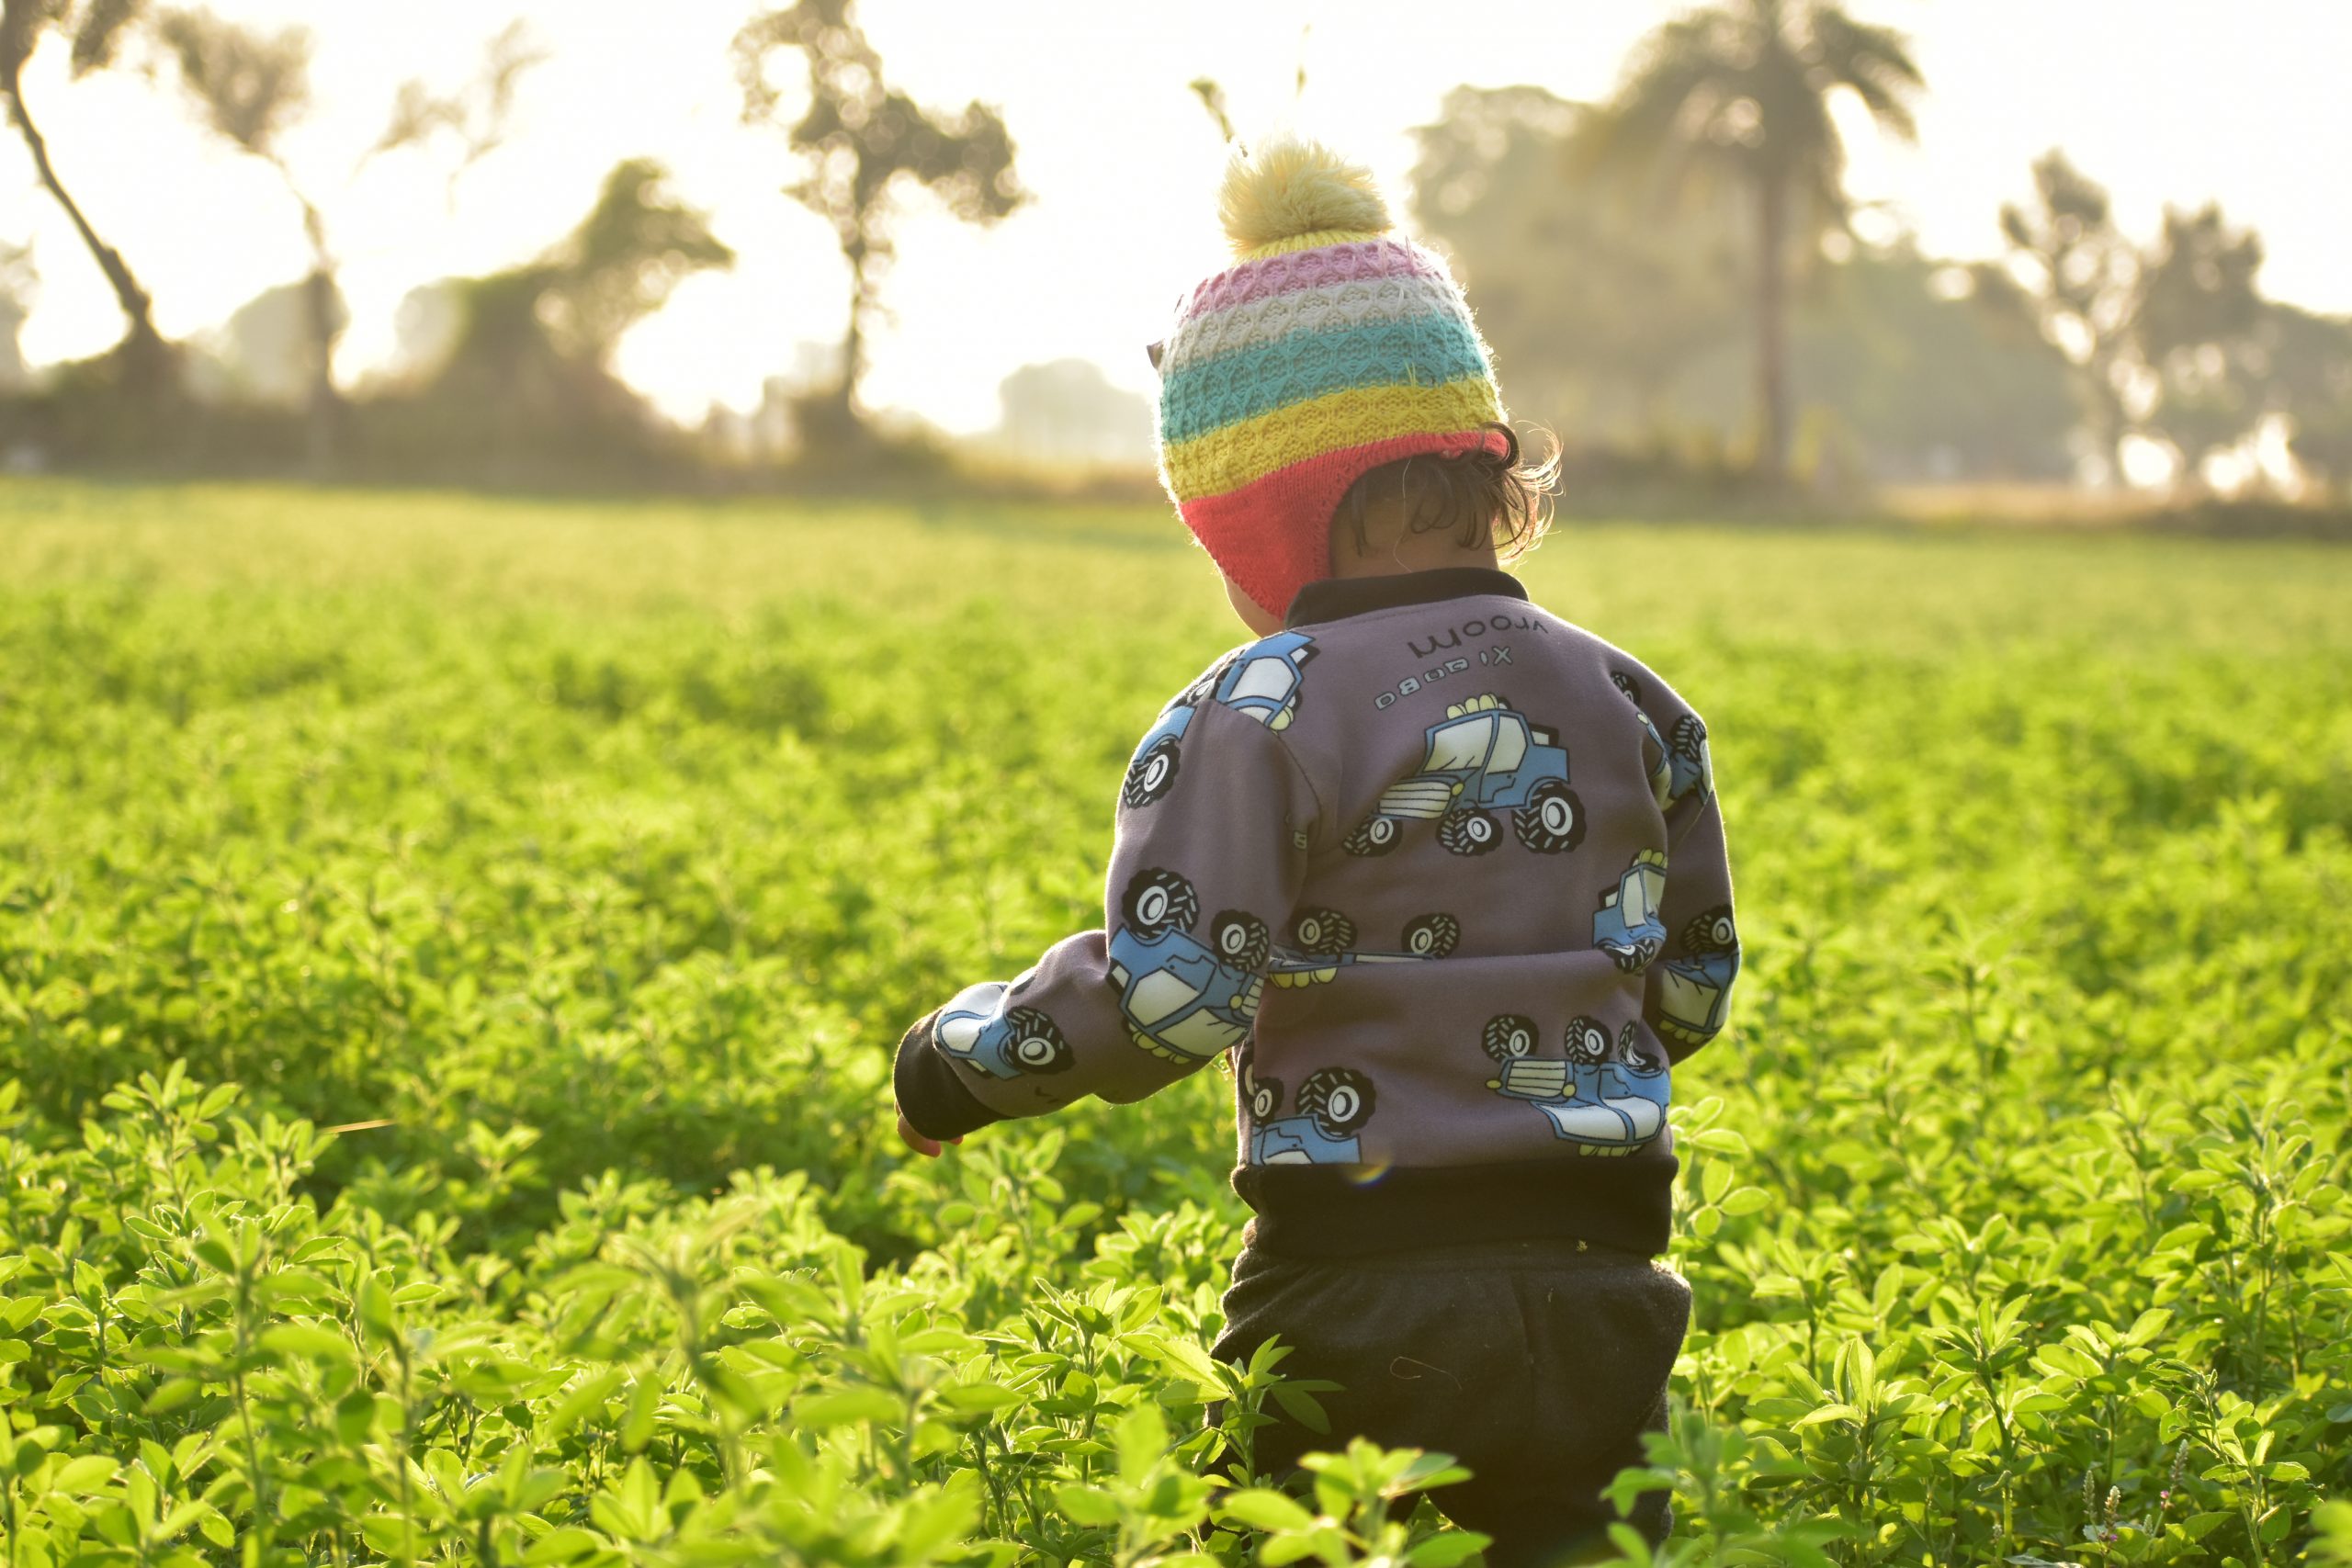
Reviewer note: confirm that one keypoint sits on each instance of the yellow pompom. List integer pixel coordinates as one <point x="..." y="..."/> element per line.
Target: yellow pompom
<point x="1291" y="191"/>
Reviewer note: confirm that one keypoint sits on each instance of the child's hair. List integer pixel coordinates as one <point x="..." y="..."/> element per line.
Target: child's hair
<point x="1482" y="497"/>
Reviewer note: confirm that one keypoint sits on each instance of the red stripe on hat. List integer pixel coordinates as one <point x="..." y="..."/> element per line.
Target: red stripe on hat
<point x="1273" y="535"/>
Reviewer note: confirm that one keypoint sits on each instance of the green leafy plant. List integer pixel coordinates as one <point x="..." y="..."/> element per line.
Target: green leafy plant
<point x="451" y="952"/>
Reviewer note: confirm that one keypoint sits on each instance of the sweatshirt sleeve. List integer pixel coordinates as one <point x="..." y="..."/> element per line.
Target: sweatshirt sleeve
<point x="1688" y="993"/>
<point x="1214" y="818"/>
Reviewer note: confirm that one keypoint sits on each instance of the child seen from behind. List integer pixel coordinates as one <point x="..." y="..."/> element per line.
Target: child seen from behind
<point x="1441" y="874"/>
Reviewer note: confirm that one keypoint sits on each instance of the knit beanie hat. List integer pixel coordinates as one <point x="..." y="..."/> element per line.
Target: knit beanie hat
<point x="1329" y="348"/>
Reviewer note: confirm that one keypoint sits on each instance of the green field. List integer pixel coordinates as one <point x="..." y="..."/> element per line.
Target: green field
<point x="582" y="863"/>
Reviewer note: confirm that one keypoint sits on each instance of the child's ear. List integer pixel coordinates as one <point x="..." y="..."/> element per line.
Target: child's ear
<point x="1342" y="551"/>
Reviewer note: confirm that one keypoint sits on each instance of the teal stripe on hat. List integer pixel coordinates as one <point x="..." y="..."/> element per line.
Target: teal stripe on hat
<point x="1425" y="351"/>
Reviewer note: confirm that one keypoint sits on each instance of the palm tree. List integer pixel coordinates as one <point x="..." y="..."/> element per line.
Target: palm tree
<point x="1743" y="89"/>
<point x="95" y="28"/>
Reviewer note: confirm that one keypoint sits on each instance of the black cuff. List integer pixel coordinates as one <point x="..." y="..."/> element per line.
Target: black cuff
<point x="931" y="1097"/>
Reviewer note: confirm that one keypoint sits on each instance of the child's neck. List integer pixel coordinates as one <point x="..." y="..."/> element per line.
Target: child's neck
<point x="1406" y="553"/>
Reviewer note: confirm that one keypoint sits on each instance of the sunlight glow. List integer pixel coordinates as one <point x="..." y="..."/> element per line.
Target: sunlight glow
<point x="1120" y="155"/>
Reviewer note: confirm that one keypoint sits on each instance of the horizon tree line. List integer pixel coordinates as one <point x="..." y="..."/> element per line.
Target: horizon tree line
<point x="1719" y="131"/>
<point x="857" y="140"/>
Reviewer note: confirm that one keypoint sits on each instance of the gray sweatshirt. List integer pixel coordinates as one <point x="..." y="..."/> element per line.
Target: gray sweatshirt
<point x="1444" y="876"/>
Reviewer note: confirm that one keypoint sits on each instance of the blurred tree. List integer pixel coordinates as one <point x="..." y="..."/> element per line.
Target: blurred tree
<point x="1593" y="308"/>
<point x="252" y="86"/>
<point x="530" y="366"/>
<point x="2195" y="324"/>
<point x="266" y="352"/>
<point x="94" y="29"/>
<point x="1909" y="370"/>
<point x="18" y="280"/>
<point x="475" y="116"/>
<point x="1067" y="411"/>
<point x="2311" y="382"/>
<point x="1743" y="90"/>
<point x="857" y="137"/>
<point x="1936" y="369"/>
<point x="2174" y="344"/>
<point x="2084" y="276"/>
<point x="619" y="266"/>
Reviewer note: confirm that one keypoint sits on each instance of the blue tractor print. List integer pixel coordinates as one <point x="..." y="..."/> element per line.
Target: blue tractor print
<point x="1694" y="990"/>
<point x="1334" y="1105"/>
<point x="1320" y="949"/>
<point x="1483" y="757"/>
<point x="1627" y="927"/>
<point x="1262" y="680"/>
<point x="1598" y="1095"/>
<point x="1152" y="773"/>
<point x="1002" y="1042"/>
<point x="1184" y="1000"/>
<point x="1660" y="762"/>
<point x="1693" y="771"/>
<point x="1661" y="770"/>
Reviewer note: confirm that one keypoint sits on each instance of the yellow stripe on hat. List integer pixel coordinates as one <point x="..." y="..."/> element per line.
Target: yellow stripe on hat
<point x="1243" y="453"/>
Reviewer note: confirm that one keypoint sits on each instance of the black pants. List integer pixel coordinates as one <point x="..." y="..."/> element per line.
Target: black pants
<point x="1537" y="1366"/>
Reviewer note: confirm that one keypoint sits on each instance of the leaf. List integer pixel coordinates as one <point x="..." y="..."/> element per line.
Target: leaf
<point x="1745" y="1201"/>
<point x="844" y="1407"/>
<point x="1139" y="1438"/>
<point x="636" y="1421"/>
<point x="307" y="1340"/>
<point x="1087" y="1504"/>
<point x="591" y="1393"/>
<point x="1829" y="1413"/>
<point x="1265" y="1510"/>
<point x="180" y="1518"/>
<point x="1183" y="1356"/>
<point x="1323" y="1540"/>
<point x="1302" y="1407"/>
<point x="563" y="1545"/>
<point x="390" y="1534"/>
<point x="1447" y="1549"/>
<point x="979" y="1398"/>
<point x="170" y="1394"/>
<point x="85" y="1473"/>
<point x="1715" y="1180"/>
<point x="376" y="1308"/>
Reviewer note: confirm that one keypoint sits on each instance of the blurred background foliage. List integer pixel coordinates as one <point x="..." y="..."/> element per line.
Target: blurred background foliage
<point x="1674" y="276"/>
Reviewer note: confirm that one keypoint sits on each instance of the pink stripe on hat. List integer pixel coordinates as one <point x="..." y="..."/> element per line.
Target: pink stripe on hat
<point x="1316" y="268"/>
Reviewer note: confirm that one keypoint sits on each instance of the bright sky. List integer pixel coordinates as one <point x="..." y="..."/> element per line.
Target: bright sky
<point x="2180" y="100"/>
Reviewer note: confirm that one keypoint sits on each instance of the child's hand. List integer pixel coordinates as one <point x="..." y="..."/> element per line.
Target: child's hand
<point x="927" y="1147"/>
